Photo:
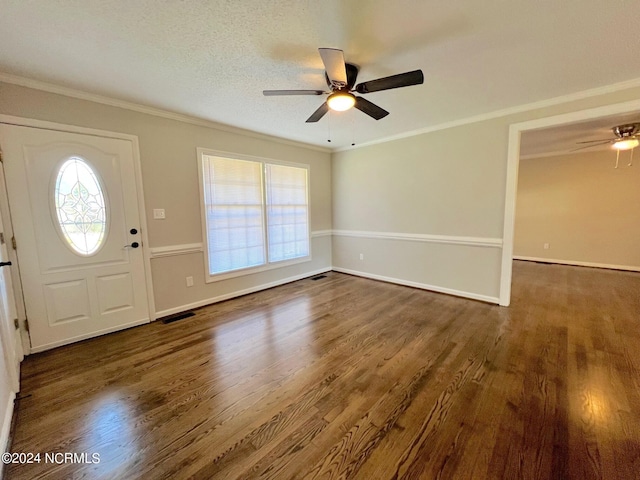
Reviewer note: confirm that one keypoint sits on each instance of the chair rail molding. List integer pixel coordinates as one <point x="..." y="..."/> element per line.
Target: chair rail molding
<point x="172" y="250"/>
<point x="423" y="237"/>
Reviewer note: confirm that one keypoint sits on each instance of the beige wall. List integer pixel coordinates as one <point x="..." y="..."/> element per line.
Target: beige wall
<point x="445" y="183"/>
<point x="170" y="181"/>
<point x="583" y="207"/>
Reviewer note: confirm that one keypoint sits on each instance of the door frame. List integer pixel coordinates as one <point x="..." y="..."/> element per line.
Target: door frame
<point x="15" y="273"/>
<point x="513" y="162"/>
<point x="12" y="353"/>
<point x="137" y="166"/>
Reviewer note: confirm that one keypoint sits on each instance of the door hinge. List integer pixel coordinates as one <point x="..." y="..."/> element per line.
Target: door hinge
<point x="26" y="324"/>
<point x="14" y="244"/>
<point x="1" y="159"/>
<point x="1" y="238"/>
<point x="16" y="323"/>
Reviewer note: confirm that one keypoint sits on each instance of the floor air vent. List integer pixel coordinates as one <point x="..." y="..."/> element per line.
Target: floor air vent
<point x="318" y="277"/>
<point x="176" y="317"/>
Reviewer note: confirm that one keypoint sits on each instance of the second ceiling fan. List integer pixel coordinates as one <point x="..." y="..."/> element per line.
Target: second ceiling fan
<point x="627" y="137"/>
<point x="341" y="78"/>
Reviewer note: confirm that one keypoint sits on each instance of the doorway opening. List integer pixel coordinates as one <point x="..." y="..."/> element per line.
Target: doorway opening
<point x="525" y="134"/>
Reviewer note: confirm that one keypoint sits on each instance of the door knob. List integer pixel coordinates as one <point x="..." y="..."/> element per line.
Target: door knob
<point x="133" y="245"/>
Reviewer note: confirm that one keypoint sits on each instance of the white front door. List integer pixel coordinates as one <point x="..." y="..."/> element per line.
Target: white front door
<point x="75" y="217"/>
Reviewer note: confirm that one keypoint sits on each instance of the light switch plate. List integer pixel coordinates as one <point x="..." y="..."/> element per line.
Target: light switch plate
<point x="158" y="213"/>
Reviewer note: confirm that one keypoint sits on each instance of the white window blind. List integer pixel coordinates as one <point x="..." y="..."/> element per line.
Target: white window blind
<point x="234" y="213"/>
<point x="255" y="214"/>
<point x="287" y="212"/>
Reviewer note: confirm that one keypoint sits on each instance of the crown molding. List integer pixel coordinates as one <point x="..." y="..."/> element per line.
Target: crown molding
<point x="157" y="112"/>
<point x="571" y="97"/>
<point x="92" y="97"/>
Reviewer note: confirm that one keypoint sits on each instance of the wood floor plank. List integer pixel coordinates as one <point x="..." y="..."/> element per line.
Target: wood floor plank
<point x="350" y="378"/>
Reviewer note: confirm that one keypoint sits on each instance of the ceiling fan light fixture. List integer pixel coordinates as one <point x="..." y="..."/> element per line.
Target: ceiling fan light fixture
<point x="341" y="101"/>
<point x="626" y="144"/>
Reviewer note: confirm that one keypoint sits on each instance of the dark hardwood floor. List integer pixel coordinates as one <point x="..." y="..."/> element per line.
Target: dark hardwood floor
<point x="345" y="377"/>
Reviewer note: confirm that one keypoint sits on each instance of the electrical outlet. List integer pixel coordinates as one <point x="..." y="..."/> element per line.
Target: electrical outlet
<point x="189" y="281"/>
<point x="546" y="246"/>
<point x="158" y="213"/>
<point x="361" y="256"/>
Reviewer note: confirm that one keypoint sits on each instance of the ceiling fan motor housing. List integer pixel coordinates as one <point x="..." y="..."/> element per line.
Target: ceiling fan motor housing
<point x="627" y="130"/>
<point x="352" y="75"/>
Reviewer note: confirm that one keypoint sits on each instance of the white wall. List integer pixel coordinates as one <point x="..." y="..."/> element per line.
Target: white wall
<point x="170" y="180"/>
<point x="584" y="208"/>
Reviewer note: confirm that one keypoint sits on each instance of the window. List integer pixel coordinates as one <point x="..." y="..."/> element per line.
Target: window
<point x="287" y="212"/>
<point x="255" y="214"/>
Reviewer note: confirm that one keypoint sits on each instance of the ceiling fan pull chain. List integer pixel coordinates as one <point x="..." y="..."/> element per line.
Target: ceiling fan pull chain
<point x="329" y="127"/>
<point x="353" y="130"/>
<point x="631" y="158"/>
<point x="617" y="157"/>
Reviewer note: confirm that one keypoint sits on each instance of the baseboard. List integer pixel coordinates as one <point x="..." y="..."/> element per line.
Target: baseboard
<point x="423" y="286"/>
<point x="239" y="293"/>
<point x="577" y="263"/>
<point x="6" y="425"/>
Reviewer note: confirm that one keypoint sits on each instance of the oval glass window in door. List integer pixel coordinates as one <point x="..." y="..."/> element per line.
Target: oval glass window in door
<point x="80" y="206"/>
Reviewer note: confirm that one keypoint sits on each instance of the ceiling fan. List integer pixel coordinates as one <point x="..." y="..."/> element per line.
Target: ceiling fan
<point x="626" y="138"/>
<point x="341" y="78"/>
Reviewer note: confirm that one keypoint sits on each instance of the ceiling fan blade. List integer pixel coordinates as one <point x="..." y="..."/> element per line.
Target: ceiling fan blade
<point x="319" y="113"/>
<point x="271" y="93"/>
<point x="601" y="140"/>
<point x="370" y="109"/>
<point x="395" y="81"/>
<point x="333" y="60"/>
<point x="590" y="146"/>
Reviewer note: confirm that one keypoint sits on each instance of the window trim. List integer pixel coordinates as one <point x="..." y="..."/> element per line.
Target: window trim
<point x="268" y="265"/>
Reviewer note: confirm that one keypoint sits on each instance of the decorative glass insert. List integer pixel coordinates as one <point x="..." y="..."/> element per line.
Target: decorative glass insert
<point x="80" y="206"/>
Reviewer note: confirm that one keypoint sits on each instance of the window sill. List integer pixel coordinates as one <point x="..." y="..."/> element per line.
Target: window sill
<point x="251" y="270"/>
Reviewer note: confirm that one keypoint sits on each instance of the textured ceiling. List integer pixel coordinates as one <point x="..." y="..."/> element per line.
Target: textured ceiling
<point x="212" y="59"/>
